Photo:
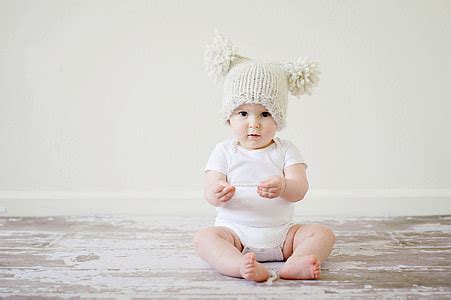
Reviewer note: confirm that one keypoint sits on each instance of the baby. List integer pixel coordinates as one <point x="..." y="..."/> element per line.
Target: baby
<point x="255" y="178"/>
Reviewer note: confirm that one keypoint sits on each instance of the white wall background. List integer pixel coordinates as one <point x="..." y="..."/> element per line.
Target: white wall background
<point x="105" y="106"/>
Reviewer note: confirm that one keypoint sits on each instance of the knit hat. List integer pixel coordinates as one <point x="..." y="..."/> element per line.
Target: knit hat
<point x="246" y="81"/>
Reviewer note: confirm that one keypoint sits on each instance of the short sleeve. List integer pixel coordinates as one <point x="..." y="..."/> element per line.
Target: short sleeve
<point x="218" y="160"/>
<point x="293" y="156"/>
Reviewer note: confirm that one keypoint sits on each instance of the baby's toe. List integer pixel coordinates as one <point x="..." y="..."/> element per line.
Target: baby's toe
<point x="249" y="258"/>
<point x="317" y="272"/>
<point x="317" y="264"/>
<point x="250" y="271"/>
<point x="314" y="259"/>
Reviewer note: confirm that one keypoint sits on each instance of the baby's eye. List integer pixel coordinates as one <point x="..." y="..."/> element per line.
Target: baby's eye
<point x="243" y="113"/>
<point x="266" y="114"/>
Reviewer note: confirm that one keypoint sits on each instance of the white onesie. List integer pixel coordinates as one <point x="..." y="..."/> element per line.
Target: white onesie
<point x="261" y="223"/>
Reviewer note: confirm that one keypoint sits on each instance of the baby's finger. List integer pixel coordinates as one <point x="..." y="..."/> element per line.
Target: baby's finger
<point x="264" y="194"/>
<point x="262" y="184"/>
<point x="267" y="184"/>
<point x="271" y="195"/>
<point x="226" y="197"/>
<point x="220" y="194"/>
<point x="272" y="189"/>
<point x="267" y="188"/>
<point x="226" y="190"/>
<point x="229" y="188"/>
<point x="262" y="188"/>
<point x="219" y="188"/>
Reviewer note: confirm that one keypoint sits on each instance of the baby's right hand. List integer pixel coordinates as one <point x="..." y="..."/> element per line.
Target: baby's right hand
<point x="223" y="192"/>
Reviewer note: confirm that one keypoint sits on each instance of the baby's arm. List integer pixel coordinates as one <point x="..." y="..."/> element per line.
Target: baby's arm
<point x="292" y="187"/>
<point x="217" y="190"/>
<point x="296" y="184"/>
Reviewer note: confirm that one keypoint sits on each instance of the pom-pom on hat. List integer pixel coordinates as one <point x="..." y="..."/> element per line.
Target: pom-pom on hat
<point x="246" y="81"/>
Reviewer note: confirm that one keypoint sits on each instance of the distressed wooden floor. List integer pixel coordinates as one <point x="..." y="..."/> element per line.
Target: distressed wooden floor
<point x="124" y="257"/>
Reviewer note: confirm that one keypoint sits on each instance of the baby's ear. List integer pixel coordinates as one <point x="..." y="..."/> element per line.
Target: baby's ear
<point x="219" y="56"/>
<point x="302" y="76"/>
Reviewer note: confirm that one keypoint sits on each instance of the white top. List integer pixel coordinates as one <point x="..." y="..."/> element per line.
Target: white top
<point x="245" y="169"/>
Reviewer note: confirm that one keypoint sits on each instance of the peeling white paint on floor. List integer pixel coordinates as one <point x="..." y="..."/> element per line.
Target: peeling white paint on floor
<point x="432" y="227"/>
<point x="111" y="256"/>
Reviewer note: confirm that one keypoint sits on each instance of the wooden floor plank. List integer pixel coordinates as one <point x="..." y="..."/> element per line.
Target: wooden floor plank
<point x="131" y="256"/>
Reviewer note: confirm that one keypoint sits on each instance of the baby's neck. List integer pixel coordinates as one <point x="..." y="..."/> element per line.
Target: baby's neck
<point x="260" y="148"/>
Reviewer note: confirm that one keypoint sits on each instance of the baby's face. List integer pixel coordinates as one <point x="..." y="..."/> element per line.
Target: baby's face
<point x="253" y="126"/>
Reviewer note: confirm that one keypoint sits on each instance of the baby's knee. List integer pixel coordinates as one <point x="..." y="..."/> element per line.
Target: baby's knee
<point x="326" y="232"/>
<point x="203" y="236"/>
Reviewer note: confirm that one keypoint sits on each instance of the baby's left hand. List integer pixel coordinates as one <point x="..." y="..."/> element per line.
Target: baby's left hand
<point x="272" y="188"/>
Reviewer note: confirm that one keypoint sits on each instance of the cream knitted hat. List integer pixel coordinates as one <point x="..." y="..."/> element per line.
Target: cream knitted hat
<point x="246" y="81"/>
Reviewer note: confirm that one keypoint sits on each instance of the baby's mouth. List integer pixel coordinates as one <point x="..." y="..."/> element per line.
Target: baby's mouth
<point x="253" y="135"/>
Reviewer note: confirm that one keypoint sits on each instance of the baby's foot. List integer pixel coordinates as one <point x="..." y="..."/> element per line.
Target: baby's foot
<point x="301" y="267"/>
<point x="250" y="269"/>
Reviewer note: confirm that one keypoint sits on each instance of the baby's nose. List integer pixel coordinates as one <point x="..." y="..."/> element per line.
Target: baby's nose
<point x="254" y="124"/>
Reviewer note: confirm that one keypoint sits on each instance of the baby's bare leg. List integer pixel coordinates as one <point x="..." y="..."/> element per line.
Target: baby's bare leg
<point x="221" y="249"/>
<point x="306" y="247"/>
